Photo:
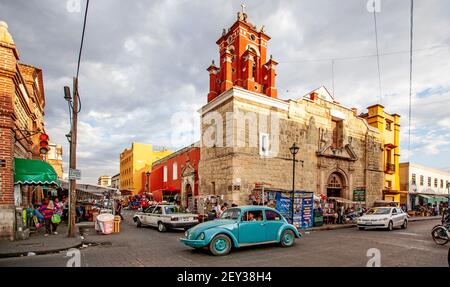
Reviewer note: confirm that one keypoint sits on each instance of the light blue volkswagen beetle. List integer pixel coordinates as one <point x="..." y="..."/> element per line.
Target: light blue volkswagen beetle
<point x="242" y="226"/>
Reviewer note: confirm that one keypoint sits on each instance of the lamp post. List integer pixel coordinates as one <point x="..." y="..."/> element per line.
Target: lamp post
<point x="294" y="150"/>
<point x="148" y="181"/>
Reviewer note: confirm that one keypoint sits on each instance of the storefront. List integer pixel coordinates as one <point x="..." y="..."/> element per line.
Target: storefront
<point x="33" y="181"/>
<point x="423" y="204"/>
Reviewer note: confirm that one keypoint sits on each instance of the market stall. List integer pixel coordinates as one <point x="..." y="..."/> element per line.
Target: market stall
<point x="92" y="200"/>
<point x="329" y="208"/>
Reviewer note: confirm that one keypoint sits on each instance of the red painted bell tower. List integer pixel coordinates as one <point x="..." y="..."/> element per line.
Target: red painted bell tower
<point x="243" y="61"/>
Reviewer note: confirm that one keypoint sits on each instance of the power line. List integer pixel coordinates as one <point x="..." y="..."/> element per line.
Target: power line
<point x="82" y="38"/>
<point x="79" y="54"/>
<point x="378" y="54"/>
<point x="410" y="78"/>
<point x="367" y="56"/>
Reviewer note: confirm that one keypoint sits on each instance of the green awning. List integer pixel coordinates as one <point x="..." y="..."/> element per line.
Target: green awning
<point x="34" y="172"/>
<point x="424" y="196"/>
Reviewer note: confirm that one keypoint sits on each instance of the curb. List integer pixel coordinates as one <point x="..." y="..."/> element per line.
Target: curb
<point x="42" y="252"/>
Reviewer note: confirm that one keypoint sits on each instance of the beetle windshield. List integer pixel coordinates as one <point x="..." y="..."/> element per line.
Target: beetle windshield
<point x="231" y="214"/>
<point x="171" y="209"/>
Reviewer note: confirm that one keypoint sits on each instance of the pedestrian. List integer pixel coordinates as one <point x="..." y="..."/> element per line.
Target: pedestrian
<point x="119" y="209"/>
<point x="46" y="210"/>
<point x="341" y="214"/>
<point x="223" y="208"/>
<point x="58" y="209"/>
<point x="65" y="204"/>
<point x="218" y="210"/>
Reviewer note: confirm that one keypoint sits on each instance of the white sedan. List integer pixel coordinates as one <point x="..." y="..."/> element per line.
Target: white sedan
<point x="165" y="216"/>
<point x="383" y="217"/>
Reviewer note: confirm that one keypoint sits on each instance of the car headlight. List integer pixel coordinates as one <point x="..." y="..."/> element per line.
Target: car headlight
<point x="186" y="234"/>
<point x="201" y="236"/>
<point x="384" y="218"/>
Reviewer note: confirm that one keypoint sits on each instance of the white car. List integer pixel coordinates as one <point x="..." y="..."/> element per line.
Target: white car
<point x="383" y="217"/>
<point x="165" y="216"/>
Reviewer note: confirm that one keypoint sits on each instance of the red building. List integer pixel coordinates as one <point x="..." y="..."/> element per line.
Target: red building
<point x="175" y="177"/>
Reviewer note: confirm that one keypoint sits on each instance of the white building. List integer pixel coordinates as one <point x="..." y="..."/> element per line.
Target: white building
<point x="424" y="184"/>
<point x="104" y="180"/>
<point x="115" y="181"/>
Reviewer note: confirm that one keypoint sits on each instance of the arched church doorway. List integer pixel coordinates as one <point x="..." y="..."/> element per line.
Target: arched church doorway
<point x="335" y="185"/>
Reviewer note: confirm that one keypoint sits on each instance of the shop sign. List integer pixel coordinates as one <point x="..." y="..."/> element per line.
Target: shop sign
<point x="359" y="195"/>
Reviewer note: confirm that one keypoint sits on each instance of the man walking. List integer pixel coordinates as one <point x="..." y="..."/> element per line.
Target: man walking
<point x="46" y="210"/>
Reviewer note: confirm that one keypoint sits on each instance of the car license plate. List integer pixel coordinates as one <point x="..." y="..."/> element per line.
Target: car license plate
<point x="369" y="223"/>
<point x="186" y="219"/>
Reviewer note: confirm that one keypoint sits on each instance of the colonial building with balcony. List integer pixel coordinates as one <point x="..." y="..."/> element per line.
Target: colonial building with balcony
<point x="389" y="128"/>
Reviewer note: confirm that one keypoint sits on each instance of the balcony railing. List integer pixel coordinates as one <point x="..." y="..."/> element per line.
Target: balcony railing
<point x="390" y="168"/>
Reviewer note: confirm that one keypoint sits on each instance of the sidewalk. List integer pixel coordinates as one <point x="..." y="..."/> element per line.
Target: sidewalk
<point x="37" y="243"/>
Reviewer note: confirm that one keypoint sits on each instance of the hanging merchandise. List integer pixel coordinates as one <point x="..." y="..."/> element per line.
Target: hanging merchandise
<point x="24" y="217"/>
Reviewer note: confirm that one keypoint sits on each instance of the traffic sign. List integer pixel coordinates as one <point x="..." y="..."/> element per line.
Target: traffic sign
<point x="75" y="174"/>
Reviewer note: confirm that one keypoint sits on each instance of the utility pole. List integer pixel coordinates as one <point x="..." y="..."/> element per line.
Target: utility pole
<point x="73" y="160"/>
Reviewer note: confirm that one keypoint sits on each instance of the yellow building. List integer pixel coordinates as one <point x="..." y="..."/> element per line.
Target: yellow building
<point x="388" y="125"/>
<point x="54" y="158"/>
<point x="135" y="161"/>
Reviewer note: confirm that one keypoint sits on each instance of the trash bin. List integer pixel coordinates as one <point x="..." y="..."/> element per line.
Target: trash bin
<point x="105" y="223"/>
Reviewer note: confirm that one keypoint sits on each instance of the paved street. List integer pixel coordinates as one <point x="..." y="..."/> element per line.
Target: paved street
<point x="344" y="247"/>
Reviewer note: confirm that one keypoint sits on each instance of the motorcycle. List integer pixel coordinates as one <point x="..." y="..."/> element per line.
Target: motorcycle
<point x="441" y="233"/>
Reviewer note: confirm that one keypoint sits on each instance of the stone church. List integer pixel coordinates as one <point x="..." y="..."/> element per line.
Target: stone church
<point x="246" y="131"/>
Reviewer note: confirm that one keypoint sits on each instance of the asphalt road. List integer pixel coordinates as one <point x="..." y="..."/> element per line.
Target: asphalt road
<point x="344" y="247"/>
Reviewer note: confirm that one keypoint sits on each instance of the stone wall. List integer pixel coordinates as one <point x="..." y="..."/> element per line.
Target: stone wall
<point x="236" y="169"/>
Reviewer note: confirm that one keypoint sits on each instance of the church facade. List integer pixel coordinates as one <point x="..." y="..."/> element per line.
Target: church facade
<point x="247" y="131"/>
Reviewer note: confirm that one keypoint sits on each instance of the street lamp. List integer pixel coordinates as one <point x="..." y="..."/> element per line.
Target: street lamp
<point x="294" y="150"/>
<point x="146" y="184"/>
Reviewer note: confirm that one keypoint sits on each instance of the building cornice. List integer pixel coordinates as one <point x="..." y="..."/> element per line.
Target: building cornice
<point x="237" y="92"/>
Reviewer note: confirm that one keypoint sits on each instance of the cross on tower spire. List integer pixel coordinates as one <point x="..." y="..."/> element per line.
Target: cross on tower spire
<point x="243" y="8"/>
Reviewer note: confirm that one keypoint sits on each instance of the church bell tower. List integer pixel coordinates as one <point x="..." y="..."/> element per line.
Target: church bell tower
<point x="243" y="60"/>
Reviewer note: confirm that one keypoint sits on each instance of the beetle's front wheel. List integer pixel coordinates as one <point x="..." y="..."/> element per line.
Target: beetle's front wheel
<point x="287" y="238"/>
<point x="220" y="245"/>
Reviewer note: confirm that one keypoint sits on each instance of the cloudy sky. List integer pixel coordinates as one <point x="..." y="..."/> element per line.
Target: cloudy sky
<point x="144" y="65"/>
